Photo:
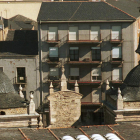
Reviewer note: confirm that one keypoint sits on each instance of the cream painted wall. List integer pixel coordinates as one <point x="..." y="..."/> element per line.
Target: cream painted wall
<point x="27" y="9"/>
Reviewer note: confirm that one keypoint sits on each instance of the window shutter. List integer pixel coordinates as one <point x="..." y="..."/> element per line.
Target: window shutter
<point x="95" y="31"/>
<point x="74" y="71"/>
<point x="116" y="32"/>
<point x="73" y="31"/>
<point x="52" y="33"/>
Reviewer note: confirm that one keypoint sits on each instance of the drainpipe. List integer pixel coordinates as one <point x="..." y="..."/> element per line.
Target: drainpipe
<point x="40" y="67"/>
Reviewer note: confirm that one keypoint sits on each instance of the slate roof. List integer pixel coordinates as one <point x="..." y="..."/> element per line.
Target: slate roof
<point x="124" y="130"/>
<point x="20" y="42"/>
<point x="22" y="22"/>
<point x="5" y="84"/>
<point x="80" y="11"/>
<point x="10" y="100"/>
<point x="128" y="6"/>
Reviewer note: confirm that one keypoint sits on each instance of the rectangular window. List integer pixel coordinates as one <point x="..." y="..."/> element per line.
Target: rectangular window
<point x="21" y="76"/>
<point x="96" y="53"/>
<point x="96" y="74"/>
<point x="1" y="68"/>
<point x="95" y="33"/>
<point x="74" y="54"/>
<point x="74" y="73"/>
<point x="53" y="53"/>
<point x="116" y="33"/>
<point x="117" y="74"/>
<point x="73" y="33"/>
<point x="116" y="53"/>
<point x="52" y="34"/>
<point x="54" y="73"/>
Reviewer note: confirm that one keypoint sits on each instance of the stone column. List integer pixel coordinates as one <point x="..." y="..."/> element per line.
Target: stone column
<point x="51" y="88"/>
<point x="119" y="100"/>
<point x="20" y="91"/>
<point x="76" y="87"/>
<point x="63" y="80"/>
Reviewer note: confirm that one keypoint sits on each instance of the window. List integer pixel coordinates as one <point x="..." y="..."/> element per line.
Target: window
<point x="74" y="54"/>
<point x="96" y="74"/>
<point x="54" y="74"/>
<point x="96" y="53"/>
<point x="74" y="73"/>
<point x="73" y="32"/>
<point x="1" y="68"/>
<point x="53" y="53"/>
<point x="116" y="33"/>
<point x="116" y="53"/>
<point x="21" y="78"/>
<point x="95" y="33"/>
<point x="52" y="35"/>
<point x="117" y="74"/>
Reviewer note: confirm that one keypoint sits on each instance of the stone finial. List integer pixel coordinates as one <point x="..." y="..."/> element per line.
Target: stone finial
<point x="32" y="104"/>
<point x="119" y="100"/>
<point x="107" y="85"/>
<point x="20" y="91"/>
<point x="76" y="87"/>
<point x="63" y="80"/>
<point x="51" y="88"/>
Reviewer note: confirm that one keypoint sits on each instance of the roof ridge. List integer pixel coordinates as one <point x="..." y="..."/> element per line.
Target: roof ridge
<point x="119" y="9"/>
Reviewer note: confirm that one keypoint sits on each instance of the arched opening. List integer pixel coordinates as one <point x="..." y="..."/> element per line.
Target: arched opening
<point x="2" y="113"/>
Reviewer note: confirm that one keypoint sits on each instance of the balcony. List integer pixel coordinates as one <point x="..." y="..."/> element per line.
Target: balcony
<point x="85" y="61"/>
<point x="115" y="59"/>
<point x="95" y="81"/>
<point x="52" y="38"/>
<point x="115" y="38"/>
<point x="116" y="79"/>
<point x="84" y="38"/>
<point x="54" y="79"/>
<point x="53" y="60"/>
<point x="20" y="80"/>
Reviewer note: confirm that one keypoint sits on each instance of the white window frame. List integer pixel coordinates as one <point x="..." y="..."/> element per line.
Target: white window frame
<point x="53" y="33"/>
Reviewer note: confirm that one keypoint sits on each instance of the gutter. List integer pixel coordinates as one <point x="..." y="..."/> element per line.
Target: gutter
<point x="82" y="21"/>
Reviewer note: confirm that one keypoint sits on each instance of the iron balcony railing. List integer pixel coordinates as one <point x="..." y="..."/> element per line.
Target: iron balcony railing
<point x="84" y="37"/>
<point x="52" y="37"/>
<point x="116" y="57"/>
<point x="20" y="80"/>
<point x="116" y="78"/>
<point x="116" y="37"/>
<point x="51" y="77"/>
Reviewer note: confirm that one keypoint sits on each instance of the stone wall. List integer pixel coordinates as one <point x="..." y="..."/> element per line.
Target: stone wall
<point x="14" y="111"/>
<point x="65" y="108"/>
<point x="131" y="105"/>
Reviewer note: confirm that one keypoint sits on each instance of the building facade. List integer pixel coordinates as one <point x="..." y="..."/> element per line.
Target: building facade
<point x="93" y="47"/>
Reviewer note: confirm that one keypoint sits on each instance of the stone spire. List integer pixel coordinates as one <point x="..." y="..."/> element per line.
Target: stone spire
<point x="32" y="104"/>
<point x="76" y="87"/>
<point x="51" y="88"/>
<point x="63" y="80"/>
<point x="20" y="91"/>
<point x="119" y="100"/>
<point x="107" y="85"/>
